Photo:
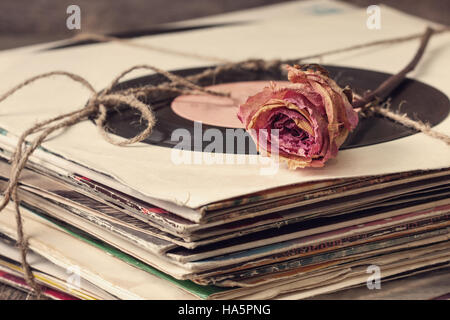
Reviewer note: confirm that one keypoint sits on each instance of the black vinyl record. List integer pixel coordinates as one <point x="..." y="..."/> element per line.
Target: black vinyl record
<point x="418" y="100"/>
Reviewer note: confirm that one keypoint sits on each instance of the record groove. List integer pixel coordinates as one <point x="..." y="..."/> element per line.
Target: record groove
<point x="419" y="101"/>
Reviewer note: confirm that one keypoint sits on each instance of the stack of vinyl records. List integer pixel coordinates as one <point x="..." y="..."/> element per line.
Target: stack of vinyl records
<point x="155" y="221"/>
<point x="221" y="235"/>
<point x="298" y="241"/>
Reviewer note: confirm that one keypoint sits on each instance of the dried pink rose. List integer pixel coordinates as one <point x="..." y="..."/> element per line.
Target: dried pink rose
<point x="313" y="115"/>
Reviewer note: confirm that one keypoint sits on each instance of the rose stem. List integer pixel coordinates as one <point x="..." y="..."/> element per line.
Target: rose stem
<point x="383" y="91"/>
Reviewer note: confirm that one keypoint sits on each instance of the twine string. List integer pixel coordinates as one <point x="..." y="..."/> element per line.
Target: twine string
<point x="98" y="105"/>
<point x="146" y="46"/>
<point x="100" y="102"/>
<point x="402" y="118"/>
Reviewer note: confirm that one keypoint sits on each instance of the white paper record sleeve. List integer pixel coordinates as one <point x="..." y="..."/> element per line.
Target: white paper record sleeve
<point x="149" y="171"/>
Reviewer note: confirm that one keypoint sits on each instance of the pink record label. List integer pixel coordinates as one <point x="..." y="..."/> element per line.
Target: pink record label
<point x="219" y="111"/>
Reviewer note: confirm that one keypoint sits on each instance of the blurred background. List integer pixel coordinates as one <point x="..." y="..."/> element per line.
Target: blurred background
<point x="24" y="22"/>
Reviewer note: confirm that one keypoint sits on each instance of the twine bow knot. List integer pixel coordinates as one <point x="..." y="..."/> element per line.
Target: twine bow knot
<point x="96" y="108"/>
